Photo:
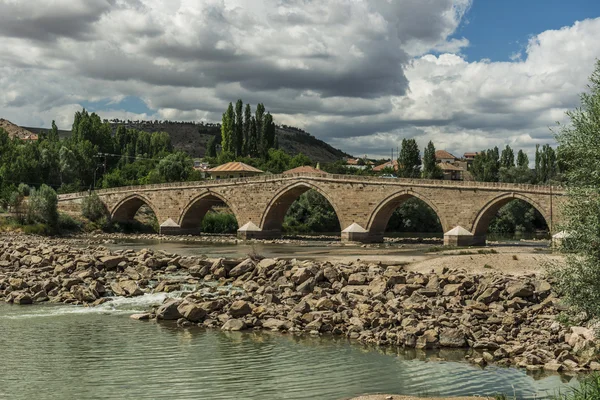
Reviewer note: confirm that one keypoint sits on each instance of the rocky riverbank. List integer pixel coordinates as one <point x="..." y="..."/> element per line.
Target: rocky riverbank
<point x="99" y="238"/>
<point x="500" y="318"/>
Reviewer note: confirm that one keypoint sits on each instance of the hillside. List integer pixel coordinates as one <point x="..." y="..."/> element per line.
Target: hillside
<point x="15" y="130"/>
<point x="193" y="138"/>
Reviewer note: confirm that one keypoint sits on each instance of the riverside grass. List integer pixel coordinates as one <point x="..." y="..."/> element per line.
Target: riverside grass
<point x="589" y="389"/>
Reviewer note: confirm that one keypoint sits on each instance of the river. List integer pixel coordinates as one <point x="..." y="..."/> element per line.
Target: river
<point x="68" y="352"/>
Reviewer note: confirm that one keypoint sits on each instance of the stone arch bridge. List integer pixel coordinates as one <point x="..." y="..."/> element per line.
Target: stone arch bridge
<point x="363" y="205"/>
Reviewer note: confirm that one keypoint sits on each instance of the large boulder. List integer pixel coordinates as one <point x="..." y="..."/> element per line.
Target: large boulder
<point x="520" y="289"/>
<point x="169" y="310"/>
<point x="23" y="298"/>
<point x="452" y="338"/>
<point x="131" y="288"/>
<point x="234" y="325"/>
<point x="17" y="283"/>
<point x="111" y="262"/>
<point x="275" y="324"/>
<point x="191" y="311"/>
<point x="489" y="295"/>
<point x="82" y="294"/>
<point x="242" y="268"/>
<point x="357" y="279"/>
<point x="239" y="308"/>
<point x="301" y="275"/>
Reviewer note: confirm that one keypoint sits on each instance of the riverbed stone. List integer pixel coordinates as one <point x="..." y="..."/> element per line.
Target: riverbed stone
<point x="239" y="308"/>
<point x="242" y="268"/>
<point x="168" y="310"/>
<point x="141" y="316"/>
<point x="191" y="311"/>
<point x="233" y="324"/>
<point x="111" y="262"/>
<point x="452" y="338"/>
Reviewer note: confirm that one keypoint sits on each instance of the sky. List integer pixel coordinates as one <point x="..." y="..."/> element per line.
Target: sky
<point x="358" y="74"/>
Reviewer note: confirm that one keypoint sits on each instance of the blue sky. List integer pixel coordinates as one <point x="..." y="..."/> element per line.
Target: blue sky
<point x="497" y="29"/>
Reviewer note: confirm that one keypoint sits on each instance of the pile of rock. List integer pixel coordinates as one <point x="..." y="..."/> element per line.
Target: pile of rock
<point x="503" y="319"/>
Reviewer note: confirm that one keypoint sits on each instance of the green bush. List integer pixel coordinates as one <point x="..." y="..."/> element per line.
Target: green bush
<point x="93" y="208"/>
<point x="42" y="206"/>
<point x="37" y="229"/>
<point x="68" y="223"/>
<point x="214" y="222"/>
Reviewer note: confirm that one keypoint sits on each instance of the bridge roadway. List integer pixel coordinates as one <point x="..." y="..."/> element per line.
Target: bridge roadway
<point x="363" y="205"/>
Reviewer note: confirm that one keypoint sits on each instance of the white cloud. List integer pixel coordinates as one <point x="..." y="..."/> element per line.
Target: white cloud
<point x="358" y="74"/>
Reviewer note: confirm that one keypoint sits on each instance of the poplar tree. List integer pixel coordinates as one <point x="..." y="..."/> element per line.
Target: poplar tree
<point x="253" y="139"/>
<point x="522" y="159"/>
<point x="239" y="128"/>
<point x="268" y="134"/>
<point x="507" y="160"/>
<point x="247" y="122"/>
<point x="409" y="160"/>
<point x="227" y="130"/>
<point x="259" y="116"/>
<point x="431" y="170"/>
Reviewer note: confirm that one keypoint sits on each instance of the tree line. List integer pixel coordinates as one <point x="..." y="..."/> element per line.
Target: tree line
<point x="489" y="165"/>
<point x="244" y="134"/>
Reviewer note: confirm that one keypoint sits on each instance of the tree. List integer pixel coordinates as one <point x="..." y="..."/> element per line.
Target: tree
<point x="43" y="206"/>
<point x="259" y="116"/>
<point x="545" y="163"/>
<point x="409" y="160"/>
<point x="253" y="139"/>
<point x="522" y="160"/>
<point x="247" y="124"/>
<point x="299" y="160"/>
<point x="431" y="170"/>
<point x="93" y="208"/>
<point x="227" y="128"/>
<point x="211" y="147"/>
<point x="239" y="128"/>
<point x="53" y="135"/>
<point x="507" y="160"/>
<point x="579" y="280"/>
<point x="175" y="167"/>
<point x="268" y="135"/>
<point x="486" y="166"/>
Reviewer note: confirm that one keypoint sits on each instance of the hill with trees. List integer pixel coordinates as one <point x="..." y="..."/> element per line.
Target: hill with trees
<point x="193" y="138"/>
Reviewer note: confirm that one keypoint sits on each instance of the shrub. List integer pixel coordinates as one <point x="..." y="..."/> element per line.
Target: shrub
<point x="68" y="223"/>
<point x="37" y="229"/>
<point x="93" y="208"/>
<point x="219" y="223"/>
<point x="42" y="207"/>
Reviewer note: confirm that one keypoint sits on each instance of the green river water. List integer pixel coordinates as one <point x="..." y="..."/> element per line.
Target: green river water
<point x="68" y="352"/>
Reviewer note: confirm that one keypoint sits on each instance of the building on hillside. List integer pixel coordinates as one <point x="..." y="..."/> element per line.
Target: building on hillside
<point x="451" y="172"/>
<point x="358" y="163"/>
<point x="202" y="167"/>
<point x="469" y="158"/>
<point x="442" y="156"/>
<point x="305" y="169"/>
<point x="389" y="164"/>
<point x="233" y="170"/>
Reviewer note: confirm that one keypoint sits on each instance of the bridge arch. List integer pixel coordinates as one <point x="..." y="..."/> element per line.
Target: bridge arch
<point x="126" y="209"/>
<point x="274" y="213"/>
<point x="193" y="213"/>
<point x="491" y="208"/>
<point x="379" y="218"/>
